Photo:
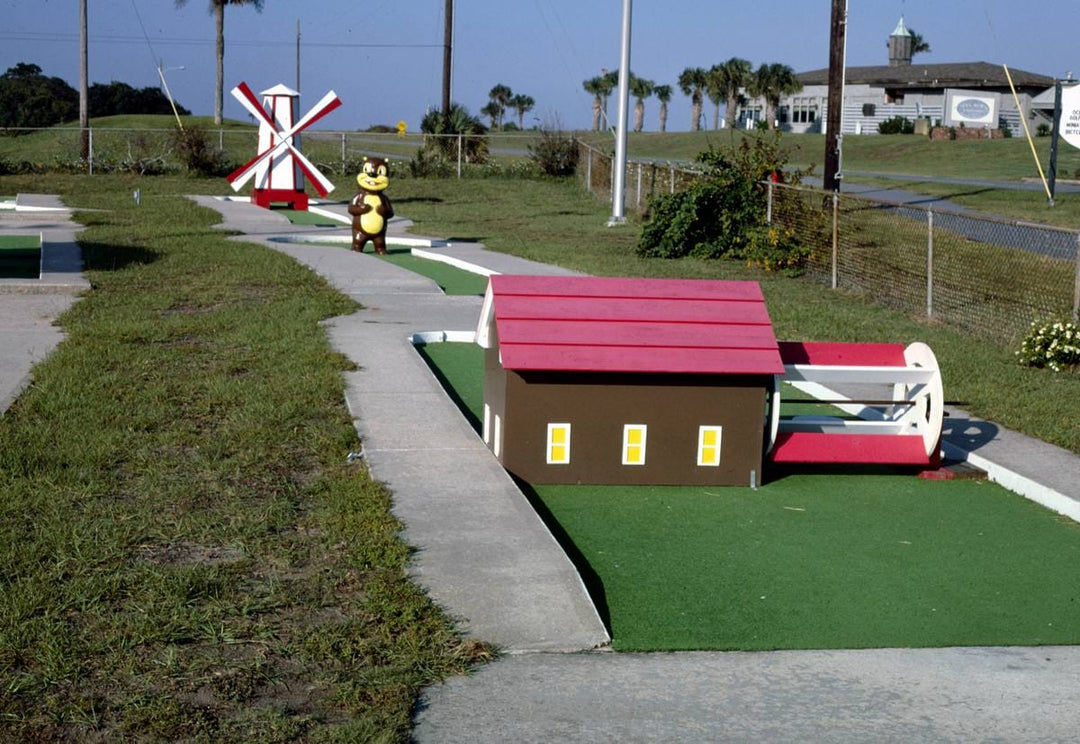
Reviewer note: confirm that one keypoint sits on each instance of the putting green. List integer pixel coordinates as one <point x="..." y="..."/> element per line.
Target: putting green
<point x="20" y="256"/>
<point x="451" y="280"/>
<point x="810" y="560"/>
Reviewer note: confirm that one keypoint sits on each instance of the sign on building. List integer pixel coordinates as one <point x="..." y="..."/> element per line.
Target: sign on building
<point x="971" y="108"/>
<point x="1070" y="115"/>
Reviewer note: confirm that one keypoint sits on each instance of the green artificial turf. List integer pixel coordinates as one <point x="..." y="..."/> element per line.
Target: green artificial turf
<point x="452" y="280"/>
<point x="814" y="559"/>
<point x="20" y="256"/>
<point x="304" y="217"/>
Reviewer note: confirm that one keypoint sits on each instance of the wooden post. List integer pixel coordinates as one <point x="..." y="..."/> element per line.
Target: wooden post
<point x="588" y="168"/>
<point x="929" y="264"/>
<point x="835" y="102"/>
<point x="768" y="207"/>
<point x="1076" y="283"/>
<point x="638" y="203"/>
<point x="835" y="236"/>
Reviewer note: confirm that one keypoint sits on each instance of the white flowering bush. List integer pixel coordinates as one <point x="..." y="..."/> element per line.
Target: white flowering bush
<point x="1051" y="344"/>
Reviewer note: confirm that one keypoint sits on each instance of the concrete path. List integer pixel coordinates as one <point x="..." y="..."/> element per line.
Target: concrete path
<point x="485" y="556"/>
<point x="483" y="553"/>
<point x="29" y="306"/>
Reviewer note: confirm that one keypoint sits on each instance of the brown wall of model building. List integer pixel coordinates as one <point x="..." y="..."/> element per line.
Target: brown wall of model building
<point x="597" y="405"/>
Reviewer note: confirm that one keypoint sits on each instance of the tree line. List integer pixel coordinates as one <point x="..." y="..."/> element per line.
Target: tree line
<point x="501" y="98"/>
<point x="29" y="98"/>
<point x="729" y="83"/>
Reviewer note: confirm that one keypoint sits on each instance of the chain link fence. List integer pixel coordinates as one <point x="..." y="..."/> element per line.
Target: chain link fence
<point x="987" y="276"/>
<point x="155" y="150"/>
<point x="644" y="179"/>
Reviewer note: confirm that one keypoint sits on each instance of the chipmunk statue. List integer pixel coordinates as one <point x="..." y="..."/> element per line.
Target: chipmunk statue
<point x="370" y="209"/>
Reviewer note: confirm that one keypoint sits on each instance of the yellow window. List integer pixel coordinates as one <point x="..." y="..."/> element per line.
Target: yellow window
<point x="558" y="444"/>
<point x="633" y="451"/>
<point x="708" y="451"/>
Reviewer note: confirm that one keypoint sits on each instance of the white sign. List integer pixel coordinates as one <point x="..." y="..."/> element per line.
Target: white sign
<point x="1070" y="115"/>
<point x="971" y="108"/>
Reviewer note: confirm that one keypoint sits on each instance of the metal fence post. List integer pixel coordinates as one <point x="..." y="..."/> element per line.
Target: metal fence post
<point x="459" y="155"/>
<point x="343" y="152"/>
<point x="671" y="168"/>
<point x="588" y="169"/>
<point x="768" y="205"/>
<point x="221" y="140"/>
<point x="835" y="235"/>
<point x="90" y="148"/>
<point x="929" y="263"/>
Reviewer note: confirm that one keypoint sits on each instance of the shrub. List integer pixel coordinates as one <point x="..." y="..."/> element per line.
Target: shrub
<point x="775" y="248"/>
<point x="444" y="146"/>
<point x="1052" y="344"/>
<point x="719" y="215"/>
<point x="897" y="125"/>
<point x="195" y="152"/>
<point x="1043" y="130"/>
<point x="554" y="152"/>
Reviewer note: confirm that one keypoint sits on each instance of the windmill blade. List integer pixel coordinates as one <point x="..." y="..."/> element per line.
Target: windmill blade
<point x="247" y="99"/>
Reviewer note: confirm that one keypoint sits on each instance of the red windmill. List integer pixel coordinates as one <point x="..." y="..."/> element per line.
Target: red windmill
<point x="280" y="167"/>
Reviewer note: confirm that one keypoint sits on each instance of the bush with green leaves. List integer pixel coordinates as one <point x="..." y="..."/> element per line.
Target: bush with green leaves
<point x="444" y="136"/>
<point x="198" y="154"/>
<point x="1053" y="344"/>
<point x="555" y="152"/>
<point x="718" y="215"/>
<point x="897" y="125"/>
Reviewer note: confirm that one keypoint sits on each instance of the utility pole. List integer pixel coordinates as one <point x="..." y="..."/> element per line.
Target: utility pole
<point x="298" y="59"/>
<point x="835" y="104"/>
<point x="618" y="166"/>
<point x="84" y="90"/>
<point x="447" y="60"/>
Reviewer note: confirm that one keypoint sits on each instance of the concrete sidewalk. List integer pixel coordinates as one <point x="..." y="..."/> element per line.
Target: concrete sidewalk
<point x="30" y="306"/>
<point x="485" y="556"/>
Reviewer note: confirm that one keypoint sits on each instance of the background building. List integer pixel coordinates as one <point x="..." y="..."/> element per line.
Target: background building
<point x="975" y="93"/>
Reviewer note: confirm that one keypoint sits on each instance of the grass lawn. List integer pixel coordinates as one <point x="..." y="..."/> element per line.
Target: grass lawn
<point x="809" y="560"/>
<point x="20" y="256"/>
<point x="184" y="552"/>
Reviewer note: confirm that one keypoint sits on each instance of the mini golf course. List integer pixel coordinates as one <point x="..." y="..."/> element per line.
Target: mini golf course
<point x="810" y="560"/>
<point x="20" y="256"/>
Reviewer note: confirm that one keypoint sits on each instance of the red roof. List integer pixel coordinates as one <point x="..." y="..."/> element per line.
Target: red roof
<point x="600" y="324"/>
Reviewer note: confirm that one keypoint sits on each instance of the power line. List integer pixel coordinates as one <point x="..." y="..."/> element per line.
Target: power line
<point x="45" y="36"/>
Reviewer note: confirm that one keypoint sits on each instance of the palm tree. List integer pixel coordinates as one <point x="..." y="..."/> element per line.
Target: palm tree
<point x="522" y="104"/>
<point x="491" y="110"/>
<point x="663" y="93"/>
<point x="918" y="43"/>
<point x="593" y="86"/>
<point x="608" y="81"/>
<point x="641" y="89"/>
<point x="771" y="82"/>
<point x="692" y="81"/>
<point x="734" y="75"/>
<point x="714" y="91"/>
<point x="217" y="7"/>
<point x="500" y="95"/>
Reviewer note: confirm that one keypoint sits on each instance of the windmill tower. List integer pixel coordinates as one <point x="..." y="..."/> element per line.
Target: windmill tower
<point x="279" y="167"/>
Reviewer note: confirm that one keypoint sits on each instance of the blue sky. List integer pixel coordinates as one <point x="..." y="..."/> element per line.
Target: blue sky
<point x="543" y="48"/>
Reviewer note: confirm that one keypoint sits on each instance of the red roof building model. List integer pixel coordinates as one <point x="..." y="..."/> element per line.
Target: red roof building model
<point x="597" y="324"/>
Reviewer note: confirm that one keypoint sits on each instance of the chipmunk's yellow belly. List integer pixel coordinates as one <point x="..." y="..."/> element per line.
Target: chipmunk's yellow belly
<point x="372" y="222"/>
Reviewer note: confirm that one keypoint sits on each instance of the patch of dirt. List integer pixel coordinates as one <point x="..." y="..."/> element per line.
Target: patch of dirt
<point x="188" y="554"/>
